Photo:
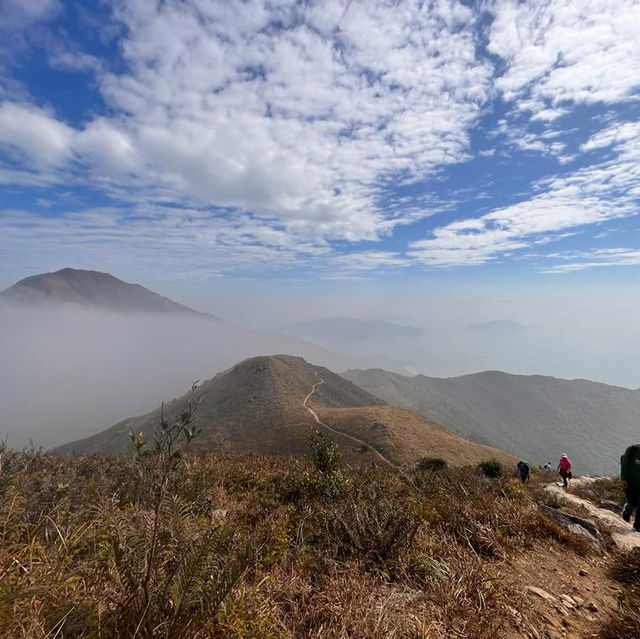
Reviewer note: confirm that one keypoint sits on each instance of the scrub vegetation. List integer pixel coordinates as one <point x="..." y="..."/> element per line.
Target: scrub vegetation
<point x="176" y="543"/>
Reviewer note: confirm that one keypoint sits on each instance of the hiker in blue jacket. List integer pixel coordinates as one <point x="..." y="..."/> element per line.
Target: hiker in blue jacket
<point x="523" y="470"/>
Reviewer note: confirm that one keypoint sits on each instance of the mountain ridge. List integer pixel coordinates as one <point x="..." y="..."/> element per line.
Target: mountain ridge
<point x="534" y="416"/>
<point x="92" y="288"/>
<point x="261" y="405"/>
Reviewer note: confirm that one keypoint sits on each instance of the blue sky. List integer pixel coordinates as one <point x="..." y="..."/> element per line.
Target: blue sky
<point x="194" y="140"/>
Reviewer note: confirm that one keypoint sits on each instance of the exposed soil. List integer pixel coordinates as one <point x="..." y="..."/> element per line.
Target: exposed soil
<point x="564" y="595"/>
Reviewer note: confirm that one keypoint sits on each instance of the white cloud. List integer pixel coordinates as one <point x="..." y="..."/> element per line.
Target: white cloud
<point x="20" y="13"/>
<point x="560" y="54"/>
<point x="137" y="240"/>
<point x="279" y="126"/>
<point x="294" y="112"/>
<point x="567" y="51"/>
<point x="617" y="135"/>
<point x="36" y="136"/>
<point x="557" y="54"/>
<point x="590" y="195"/>
<point x="19" y="20"/>
<point x="617" y="256"/>
<point x="367" y="261"/>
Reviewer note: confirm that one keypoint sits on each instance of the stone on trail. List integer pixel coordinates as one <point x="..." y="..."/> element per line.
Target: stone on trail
<point x="584" y="528"/>
<point x="608" y="504"/>
<point x="543" y="594"/>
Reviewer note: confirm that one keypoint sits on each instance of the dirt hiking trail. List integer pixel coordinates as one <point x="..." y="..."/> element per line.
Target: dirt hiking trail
<point x="340" y="433"/>
<point x="622" y="533"/>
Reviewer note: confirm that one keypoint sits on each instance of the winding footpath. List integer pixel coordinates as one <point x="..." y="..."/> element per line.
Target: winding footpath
<point x="622" y="533"/>
<point x="355" y="440"/>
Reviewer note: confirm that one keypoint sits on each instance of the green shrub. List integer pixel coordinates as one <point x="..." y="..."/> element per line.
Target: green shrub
<point x="171" y="563"/>
<point x="432" y="464"/>
<point x="376" y="531"/>
<point x="325" y="453"/>
<point x="296" y="489"/>
<point x="491" y="468"/>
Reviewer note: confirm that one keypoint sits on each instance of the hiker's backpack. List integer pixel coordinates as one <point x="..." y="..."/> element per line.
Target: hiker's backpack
<point x="630" y="465"/>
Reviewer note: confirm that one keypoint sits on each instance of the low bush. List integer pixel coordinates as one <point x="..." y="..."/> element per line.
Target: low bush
<point x="376" y="530"/>
<point x="325" y="453"/>
<point x="491" y="468"/>
<point x="431" y="464"/>
<point x="181" y="543"/>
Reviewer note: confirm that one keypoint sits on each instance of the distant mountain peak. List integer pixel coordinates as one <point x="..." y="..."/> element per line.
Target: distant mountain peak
<point x="92" y="288"/>
<point x="352" y="329"/>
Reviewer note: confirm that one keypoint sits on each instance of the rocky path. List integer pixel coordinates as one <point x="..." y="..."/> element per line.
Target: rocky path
<point x="622" y="533"/>
<point x="355" y="440"/>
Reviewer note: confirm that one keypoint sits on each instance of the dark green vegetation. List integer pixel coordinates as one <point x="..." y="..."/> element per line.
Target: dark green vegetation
<point x="433" y="464"/>
<point x="491" y="468"/>
<point x="178" y="543"/>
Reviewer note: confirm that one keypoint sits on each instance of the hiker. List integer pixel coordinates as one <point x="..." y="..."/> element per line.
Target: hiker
<point x="564" y="469"/>
<point x="523" y="470"/>
<point x="630" y="474"/>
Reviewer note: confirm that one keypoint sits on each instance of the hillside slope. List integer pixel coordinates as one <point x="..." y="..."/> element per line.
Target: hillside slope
<point x="72" y="341"/>
<point x="533" y="416"/>
<point x="259" y="406"/>
<point x="91" y="288"/>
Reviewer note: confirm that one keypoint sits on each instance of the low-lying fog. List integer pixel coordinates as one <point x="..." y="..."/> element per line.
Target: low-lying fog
<point x="69" y="372"/>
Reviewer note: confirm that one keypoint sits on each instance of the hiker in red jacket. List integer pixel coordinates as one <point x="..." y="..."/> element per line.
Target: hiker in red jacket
<point x="564" y="469"/>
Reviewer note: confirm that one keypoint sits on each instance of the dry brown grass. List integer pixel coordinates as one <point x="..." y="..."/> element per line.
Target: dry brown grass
<point x="404" y="437"/>
<point x="625" y="621"/>
<point x="604" y="488"/>
<point x="257" y="548"/>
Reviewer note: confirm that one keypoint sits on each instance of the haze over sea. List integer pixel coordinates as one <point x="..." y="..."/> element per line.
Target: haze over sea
<point x="467" y="168"/>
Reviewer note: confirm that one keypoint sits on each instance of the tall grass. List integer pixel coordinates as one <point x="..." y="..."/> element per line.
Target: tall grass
<point x="625" y="620"/>
<point x="171" y="542"/>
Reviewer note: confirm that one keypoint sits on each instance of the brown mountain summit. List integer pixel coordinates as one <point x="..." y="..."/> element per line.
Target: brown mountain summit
<point x="91" y="288"/>
<point x="266" y="404"/>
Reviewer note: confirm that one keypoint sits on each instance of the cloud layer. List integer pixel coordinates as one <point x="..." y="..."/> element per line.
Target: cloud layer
<point x="239" y="135"/>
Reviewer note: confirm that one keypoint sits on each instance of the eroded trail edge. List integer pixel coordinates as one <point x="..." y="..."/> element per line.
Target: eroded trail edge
<point x="319" y="422"/>
<point x="622" y="533"/>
